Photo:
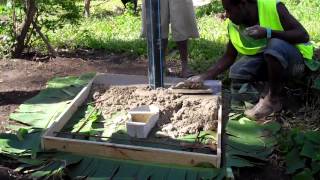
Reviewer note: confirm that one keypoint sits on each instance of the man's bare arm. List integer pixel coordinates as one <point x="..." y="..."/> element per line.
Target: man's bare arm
<point x="223" y="63"/>
<point x="294" y="32"/>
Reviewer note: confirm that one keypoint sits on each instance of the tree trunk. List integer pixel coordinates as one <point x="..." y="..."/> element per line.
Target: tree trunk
<point x="86" y="8"/>
<point x="30" y="13"/>
<point x="52" y="52"/>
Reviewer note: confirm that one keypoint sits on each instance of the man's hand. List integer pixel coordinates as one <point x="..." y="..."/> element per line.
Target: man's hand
<point x="196" y="79"/>
<point x="194" y="82"/>
<point x="256" y="32"/>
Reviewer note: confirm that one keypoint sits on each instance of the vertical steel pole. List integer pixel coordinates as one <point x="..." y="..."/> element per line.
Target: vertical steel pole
<point x="155" y="56"/>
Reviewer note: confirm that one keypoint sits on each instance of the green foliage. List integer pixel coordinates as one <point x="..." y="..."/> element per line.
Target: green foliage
<point x="6" y="30"/>
<point x="40" y="111"/>
<point x="307" y="12"/>
<point x="22" y="132"/>
<point x="117" y="34"/>
<point x="302" y="153"/>
<point x="120" y="169"/>
<point x="248" y="145"/>
<point x="54" y="14"/>
<point x="130" y="8"/>
<point x="51" y="15"/>
<point x="203" y="137"/>
<point x="213" y="7"/>
<point x="294" y="161"/>
<point x="11" y="145"/>
<point x="316" y="83"/>
<point x="87" y="115"/>
<point x="305" y="174"/>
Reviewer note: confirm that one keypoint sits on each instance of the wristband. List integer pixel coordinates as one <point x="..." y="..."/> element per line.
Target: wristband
<point x="269" y="33"/>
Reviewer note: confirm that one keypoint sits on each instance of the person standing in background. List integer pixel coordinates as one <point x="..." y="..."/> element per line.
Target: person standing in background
<point x="180" y="15"/>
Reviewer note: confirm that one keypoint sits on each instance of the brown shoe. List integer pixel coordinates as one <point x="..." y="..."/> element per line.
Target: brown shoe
<point x="263" y="108"/>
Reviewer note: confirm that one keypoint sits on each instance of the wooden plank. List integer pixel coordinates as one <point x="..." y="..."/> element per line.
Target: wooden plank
<point x="191" y="91"/>
<point x="219" y="136"/>
<point x="212" y="87"/>
<point x="49" y="141"/>
<point x="128" y="152"/>
<point x="70" y="110"/>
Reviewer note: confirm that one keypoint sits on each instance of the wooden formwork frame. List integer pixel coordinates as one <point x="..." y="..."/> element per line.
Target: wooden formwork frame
<point x="49" y="140"/>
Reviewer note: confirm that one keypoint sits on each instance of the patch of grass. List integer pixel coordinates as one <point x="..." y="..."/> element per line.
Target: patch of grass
<point x="113" y="30"/>
<point x="213" y="7"/>
<point x="211" y="44"/>
<point x="308" y="13"/>
<point x="115" y="34"/>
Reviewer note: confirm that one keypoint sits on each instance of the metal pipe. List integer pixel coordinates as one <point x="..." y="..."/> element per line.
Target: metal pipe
<point x="154" y="41"/>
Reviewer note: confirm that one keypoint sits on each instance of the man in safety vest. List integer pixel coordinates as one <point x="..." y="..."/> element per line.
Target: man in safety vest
<point x="274" y="46"/>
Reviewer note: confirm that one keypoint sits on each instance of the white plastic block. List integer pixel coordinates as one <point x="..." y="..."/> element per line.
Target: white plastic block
<point x="141" y="120"/>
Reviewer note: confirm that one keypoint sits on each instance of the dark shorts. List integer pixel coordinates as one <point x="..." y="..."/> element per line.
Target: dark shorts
<point x="254" y="68"/>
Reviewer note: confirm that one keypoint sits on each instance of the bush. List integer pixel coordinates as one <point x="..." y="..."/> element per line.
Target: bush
<point x="213" y="7"/>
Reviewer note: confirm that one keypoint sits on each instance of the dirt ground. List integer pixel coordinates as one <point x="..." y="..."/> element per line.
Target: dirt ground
<point x="21" y="79"/>
<point x="179" y="114"/>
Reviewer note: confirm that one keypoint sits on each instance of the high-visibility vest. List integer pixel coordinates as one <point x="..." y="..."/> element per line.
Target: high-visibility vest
<point x="268" y="18"/>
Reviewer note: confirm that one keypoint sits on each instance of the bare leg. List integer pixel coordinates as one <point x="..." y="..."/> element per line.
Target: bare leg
<point x="164" y="51"/>
<point x="275" y="78"/>
<point x="271" y="102"/>
<point x="183" y="50"/>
